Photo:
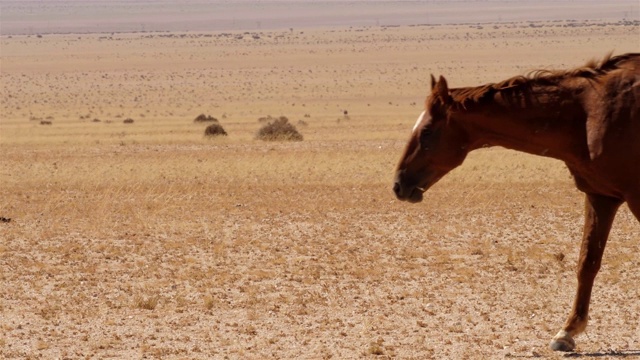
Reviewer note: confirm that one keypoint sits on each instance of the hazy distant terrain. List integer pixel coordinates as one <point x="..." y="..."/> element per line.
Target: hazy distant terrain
<point x="99" y="16"/>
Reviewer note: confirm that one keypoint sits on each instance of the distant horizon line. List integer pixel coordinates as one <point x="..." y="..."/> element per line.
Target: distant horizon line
<point x="594" y="22"/>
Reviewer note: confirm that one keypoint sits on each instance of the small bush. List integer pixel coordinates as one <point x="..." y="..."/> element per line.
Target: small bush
<point x="128" y="121"/>
<point x="214" y="130"/>
<point x="205" y="118"/>
<point x="279" y="130"/>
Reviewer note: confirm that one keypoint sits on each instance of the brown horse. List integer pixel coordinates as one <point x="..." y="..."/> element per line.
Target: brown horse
<point x="588" y="117"/>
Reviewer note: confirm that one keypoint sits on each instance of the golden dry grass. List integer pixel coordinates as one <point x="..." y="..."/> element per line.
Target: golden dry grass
<point x="148" y="240"/>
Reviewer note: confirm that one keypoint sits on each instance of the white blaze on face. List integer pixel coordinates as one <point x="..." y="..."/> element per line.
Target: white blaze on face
<point x="419" y="121"/>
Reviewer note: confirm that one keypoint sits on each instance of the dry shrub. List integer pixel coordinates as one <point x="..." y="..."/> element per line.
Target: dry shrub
<point x="205" y="118"/>
<point x="128" y="121"/>
<point x="279" y="130"/>
<point x="45" y="122"/>
<point x="214" y="130"/>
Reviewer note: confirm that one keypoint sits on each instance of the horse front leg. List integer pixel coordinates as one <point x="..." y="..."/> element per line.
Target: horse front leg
<point x="599" y="214"/>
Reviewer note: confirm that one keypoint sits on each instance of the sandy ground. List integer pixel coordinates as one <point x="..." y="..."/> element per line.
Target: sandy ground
<point x="147" y="240"/>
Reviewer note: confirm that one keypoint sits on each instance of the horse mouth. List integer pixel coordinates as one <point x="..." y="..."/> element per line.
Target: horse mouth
<point x="412" y="195"/>
<point x="416" y="195"/>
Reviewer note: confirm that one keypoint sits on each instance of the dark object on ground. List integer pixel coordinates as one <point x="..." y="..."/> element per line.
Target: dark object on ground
<point x="279" y="130"/>
<point x="214" y="130"/>
<point x="205" y="118"/>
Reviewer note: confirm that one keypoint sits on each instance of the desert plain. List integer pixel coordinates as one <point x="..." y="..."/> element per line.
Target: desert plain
<point x="149" y="240"/>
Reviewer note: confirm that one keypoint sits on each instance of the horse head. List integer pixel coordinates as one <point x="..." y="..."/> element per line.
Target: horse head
<point x="437" y="145"/>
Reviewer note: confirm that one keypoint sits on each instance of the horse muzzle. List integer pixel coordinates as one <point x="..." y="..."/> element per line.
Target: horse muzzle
<point x="412" y="194"/>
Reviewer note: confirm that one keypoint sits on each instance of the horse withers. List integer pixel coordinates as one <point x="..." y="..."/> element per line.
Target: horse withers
<point x="588" y="117"/>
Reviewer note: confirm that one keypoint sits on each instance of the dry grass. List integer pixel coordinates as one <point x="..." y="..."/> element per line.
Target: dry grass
<point x="146" y="302"/>
<point x="144" y="239"/>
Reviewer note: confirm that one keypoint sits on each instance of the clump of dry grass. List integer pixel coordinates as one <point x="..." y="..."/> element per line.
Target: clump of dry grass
<point x="128" y="121"/>
<point x="375" y="348"/>
<point x="146" y="302"/>
<point x="209" y="302"/>
<point x="279" y="130"/>
<point x="205" y="118"/>
<point x="215" y="130"/>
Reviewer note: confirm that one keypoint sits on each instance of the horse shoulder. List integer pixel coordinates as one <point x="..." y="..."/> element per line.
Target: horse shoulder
<point x="612" y="108"/>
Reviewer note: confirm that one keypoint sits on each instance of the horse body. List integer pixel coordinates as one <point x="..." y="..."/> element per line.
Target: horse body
<point x="588" y="117"/>
<point x="590" y="123"/>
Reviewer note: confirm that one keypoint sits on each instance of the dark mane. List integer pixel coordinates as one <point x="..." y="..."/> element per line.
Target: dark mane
<point x="591" y="70"/>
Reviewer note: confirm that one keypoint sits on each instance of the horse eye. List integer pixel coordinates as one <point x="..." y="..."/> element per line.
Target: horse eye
<point x="424" y="137"/>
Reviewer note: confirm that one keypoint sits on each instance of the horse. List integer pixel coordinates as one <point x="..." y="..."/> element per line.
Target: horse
<point x="587" y="117"/>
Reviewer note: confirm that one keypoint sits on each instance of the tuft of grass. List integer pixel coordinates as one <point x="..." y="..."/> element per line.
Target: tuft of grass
<point x="209" y="302"/>
<point x="375" y="348"/>
<point x="559" y="256"/>
<point x="146" y="303"/>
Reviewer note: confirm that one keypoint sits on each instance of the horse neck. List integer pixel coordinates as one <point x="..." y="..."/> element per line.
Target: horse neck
<point x="542" y="123"/>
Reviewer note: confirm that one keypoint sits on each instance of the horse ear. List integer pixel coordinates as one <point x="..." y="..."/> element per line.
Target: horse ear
<point x="433" y="82"/>
<point x="441" y="89"/>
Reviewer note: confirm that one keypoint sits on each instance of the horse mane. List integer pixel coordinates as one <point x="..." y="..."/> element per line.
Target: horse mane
<point x="591" y="70"/>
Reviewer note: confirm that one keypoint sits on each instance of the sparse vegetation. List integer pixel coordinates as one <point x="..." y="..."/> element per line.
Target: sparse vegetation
<point x="278" y="130"/>
<point x="146" y="302"/>
<point x="215" y="130"/>
<point x="209" y="302"/>
<point x="205" y="118"/>
<point x="375" y="348"/>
